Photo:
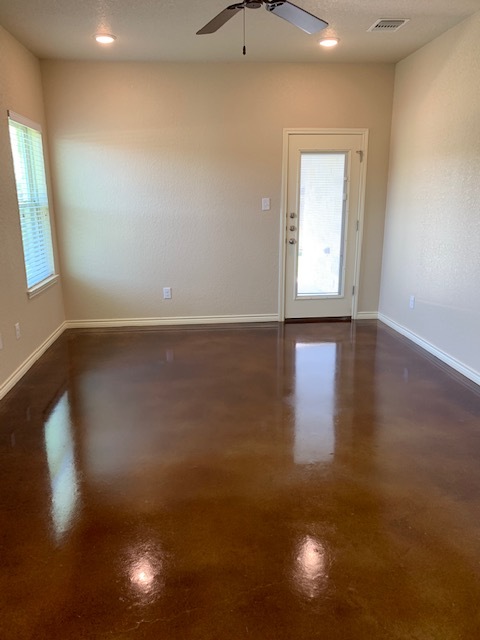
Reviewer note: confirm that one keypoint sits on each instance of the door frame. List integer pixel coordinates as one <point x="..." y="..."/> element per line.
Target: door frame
<point x="363" y="146"/>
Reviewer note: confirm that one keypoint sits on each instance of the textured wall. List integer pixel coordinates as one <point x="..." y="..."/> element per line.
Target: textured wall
<point x="20" y="91"/>
<point x="160" y="170"/>
<point x="432" y="235"/>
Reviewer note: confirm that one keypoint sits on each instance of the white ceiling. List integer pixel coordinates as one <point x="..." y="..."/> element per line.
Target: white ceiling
<point x="165" y="29"/>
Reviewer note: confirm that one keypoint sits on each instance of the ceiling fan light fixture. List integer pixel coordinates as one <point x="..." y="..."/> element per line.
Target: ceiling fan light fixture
<point x="329" y="42"/>
<point x="105" y="38"/>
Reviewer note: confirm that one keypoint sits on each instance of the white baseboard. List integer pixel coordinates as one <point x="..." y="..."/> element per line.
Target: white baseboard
<point x="452" y="362"/>
<point x="173" y="321"/>
<point x="23" y="368"/>
<point x="12" y="380"/>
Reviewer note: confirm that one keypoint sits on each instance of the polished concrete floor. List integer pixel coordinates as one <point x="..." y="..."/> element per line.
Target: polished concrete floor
<point x="240" y="483"/>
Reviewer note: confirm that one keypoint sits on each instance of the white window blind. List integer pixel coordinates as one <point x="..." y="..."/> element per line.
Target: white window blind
<point x="28" y="162"/>
<point x="321" y="223"/>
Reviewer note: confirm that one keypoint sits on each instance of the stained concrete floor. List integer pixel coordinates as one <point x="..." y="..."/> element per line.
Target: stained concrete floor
<point x="241" y="483"/>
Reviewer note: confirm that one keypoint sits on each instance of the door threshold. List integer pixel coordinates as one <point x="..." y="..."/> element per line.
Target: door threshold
<point x="332" y="319"/>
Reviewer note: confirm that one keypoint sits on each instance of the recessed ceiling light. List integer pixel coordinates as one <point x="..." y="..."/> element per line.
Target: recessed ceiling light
<point x="105" y="38"/>
<point x="329" y="42"/>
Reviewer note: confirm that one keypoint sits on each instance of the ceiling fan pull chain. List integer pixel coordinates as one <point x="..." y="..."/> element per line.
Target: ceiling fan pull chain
<point x="244" y="47"/>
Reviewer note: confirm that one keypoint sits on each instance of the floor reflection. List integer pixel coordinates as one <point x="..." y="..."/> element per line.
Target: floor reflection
<point x="61" y="466"/>
<point x="315" y="367"/>
<point x="310" y="574"/>
<point x="145" y="571"/>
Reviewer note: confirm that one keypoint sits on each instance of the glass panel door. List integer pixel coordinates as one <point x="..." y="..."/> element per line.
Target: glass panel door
<point x="324" y="180"/>
<point x="321" y="224"/>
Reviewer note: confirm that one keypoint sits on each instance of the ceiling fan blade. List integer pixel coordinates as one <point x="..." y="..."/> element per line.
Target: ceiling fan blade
<point x="219" y="20"/>
<point x="296" y="16"/>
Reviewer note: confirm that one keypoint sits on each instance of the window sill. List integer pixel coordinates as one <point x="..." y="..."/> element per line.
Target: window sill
<point x="41" y="286"/>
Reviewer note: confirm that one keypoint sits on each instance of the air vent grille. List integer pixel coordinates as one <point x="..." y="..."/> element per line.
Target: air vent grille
<point x="388" y="25"/>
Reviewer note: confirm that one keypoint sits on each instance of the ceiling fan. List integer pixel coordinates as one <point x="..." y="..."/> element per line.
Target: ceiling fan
<point x="281" y="8"/>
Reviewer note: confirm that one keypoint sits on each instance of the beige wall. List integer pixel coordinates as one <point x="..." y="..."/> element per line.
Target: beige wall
<point x="20" y="91"/>
<point x="432" y="235"/>
<point x="160" y="170"/>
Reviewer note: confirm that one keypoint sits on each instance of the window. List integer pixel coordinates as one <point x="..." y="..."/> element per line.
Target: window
<point x="321" y="237"/>
<point x="29" y="166"/>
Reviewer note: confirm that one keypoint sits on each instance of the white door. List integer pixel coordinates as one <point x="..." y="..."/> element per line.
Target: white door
<point x="323" y="192"/>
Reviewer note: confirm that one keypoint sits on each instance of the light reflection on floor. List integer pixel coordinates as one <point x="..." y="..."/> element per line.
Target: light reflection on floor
<point x="311" y="566"/>
<point x="315" y="366"/>
<point x="61" y="465"/>
<point x="144" y="568"/>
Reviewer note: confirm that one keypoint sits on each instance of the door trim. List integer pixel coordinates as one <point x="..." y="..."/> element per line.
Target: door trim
<point x="363" y="145"/>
